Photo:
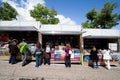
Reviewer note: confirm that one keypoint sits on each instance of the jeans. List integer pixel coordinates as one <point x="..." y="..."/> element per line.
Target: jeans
<point x="48" y="61"/>
<point x="44" y="60"/>
<point x="67" y="61"/>
<point x="47" y="58"/>
<point x="24" y="57"/>
<point x="38" y="63"/>
<point x="12" y="59"/>
<point x="93" y="64"/>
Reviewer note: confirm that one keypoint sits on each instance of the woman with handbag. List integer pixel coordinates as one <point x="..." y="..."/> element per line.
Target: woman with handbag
<point x="67" y="55"/>
<point x="47" y="54"/>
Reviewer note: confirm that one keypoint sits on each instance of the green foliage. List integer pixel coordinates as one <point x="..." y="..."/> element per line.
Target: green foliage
<point x="7" y="12"/>
<point x="44" y="15"/>
<point x="106" y="15"/>
<point x="91" y="15"/>
<point x="87" y="25"/>
<point x="105" y="18"/>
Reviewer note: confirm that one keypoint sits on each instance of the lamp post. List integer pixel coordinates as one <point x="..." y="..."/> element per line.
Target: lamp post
<point x="39" y="33"/>
<point x="82" y="45"/>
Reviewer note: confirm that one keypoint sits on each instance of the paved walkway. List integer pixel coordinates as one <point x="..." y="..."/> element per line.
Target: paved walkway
<point x="56" y="72"/>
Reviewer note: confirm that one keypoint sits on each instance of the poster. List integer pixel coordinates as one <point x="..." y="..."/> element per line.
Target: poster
<point x="113" y="46"/>
<point x="59" y="55"/>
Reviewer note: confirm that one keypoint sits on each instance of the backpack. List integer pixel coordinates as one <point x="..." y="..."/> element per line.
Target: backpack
<point x="38" y="51"/>
<point x="22" y="49"/>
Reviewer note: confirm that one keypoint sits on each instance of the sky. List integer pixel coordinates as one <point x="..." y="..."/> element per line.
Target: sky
<point x="70" y="12"/>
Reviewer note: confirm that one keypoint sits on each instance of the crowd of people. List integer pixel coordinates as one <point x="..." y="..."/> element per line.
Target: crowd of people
<point x="43" y="55"/>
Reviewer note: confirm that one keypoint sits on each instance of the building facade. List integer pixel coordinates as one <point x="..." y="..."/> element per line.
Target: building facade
<point x="61" y="34"/>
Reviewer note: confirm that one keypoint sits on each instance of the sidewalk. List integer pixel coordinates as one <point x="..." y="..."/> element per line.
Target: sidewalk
<point x="56" y="72"/>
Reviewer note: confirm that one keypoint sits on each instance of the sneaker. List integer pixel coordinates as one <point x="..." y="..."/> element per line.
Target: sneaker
<point x="36" y="66"/>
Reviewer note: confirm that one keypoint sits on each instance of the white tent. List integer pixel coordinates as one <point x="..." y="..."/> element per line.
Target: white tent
<point x="101" y="33"/>
<point x="60" y="29"/>
<point x="19" y="26"/>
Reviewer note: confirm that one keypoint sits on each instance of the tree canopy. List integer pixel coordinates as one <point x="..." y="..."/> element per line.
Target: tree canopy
<point x="7" y="12"/>
<point x="105" y="18"/>
<point x="44" y="15"/>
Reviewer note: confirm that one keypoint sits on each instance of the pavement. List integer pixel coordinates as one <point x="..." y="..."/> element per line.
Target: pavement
<point x="56" y="72"/>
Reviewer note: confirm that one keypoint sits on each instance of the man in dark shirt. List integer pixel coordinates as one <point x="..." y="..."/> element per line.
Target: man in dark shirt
<point x="13" y="49"/>
<point x="94" y="57"/>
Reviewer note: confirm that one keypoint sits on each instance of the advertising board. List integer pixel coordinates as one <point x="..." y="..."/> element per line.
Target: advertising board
<point x="59" y="55"/>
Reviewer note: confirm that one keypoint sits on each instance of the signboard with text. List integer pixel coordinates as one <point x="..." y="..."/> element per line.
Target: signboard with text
<point x="59" y="55"/>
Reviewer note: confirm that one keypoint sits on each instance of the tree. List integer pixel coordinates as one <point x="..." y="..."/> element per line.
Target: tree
<point x="44" y="15"/>
<point x="91" y="15"/>
<point x="88" y="25"/>
<point x="107" y="19"/>
<point x="7" y="12"/>
<point x="103" y="19"/>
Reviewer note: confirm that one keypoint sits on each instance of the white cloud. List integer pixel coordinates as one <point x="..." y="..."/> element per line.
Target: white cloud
<point x="24" y="7"/>
<point x="66" y="21"/>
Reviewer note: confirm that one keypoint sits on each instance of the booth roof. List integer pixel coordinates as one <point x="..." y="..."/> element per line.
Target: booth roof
<point x="101" y="33"/>
<point x="36" y="26"/>
<point x="58" y="29"/>
<point x="61" y="29"/>
<point x="18" y="28"/>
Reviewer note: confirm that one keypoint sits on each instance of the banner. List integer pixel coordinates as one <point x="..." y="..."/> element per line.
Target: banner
<point x="59" y="55"/>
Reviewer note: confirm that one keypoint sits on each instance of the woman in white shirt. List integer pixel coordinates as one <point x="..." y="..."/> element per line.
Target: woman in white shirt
<point x="47" y="54"/>
<point x="106" y="58"/>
